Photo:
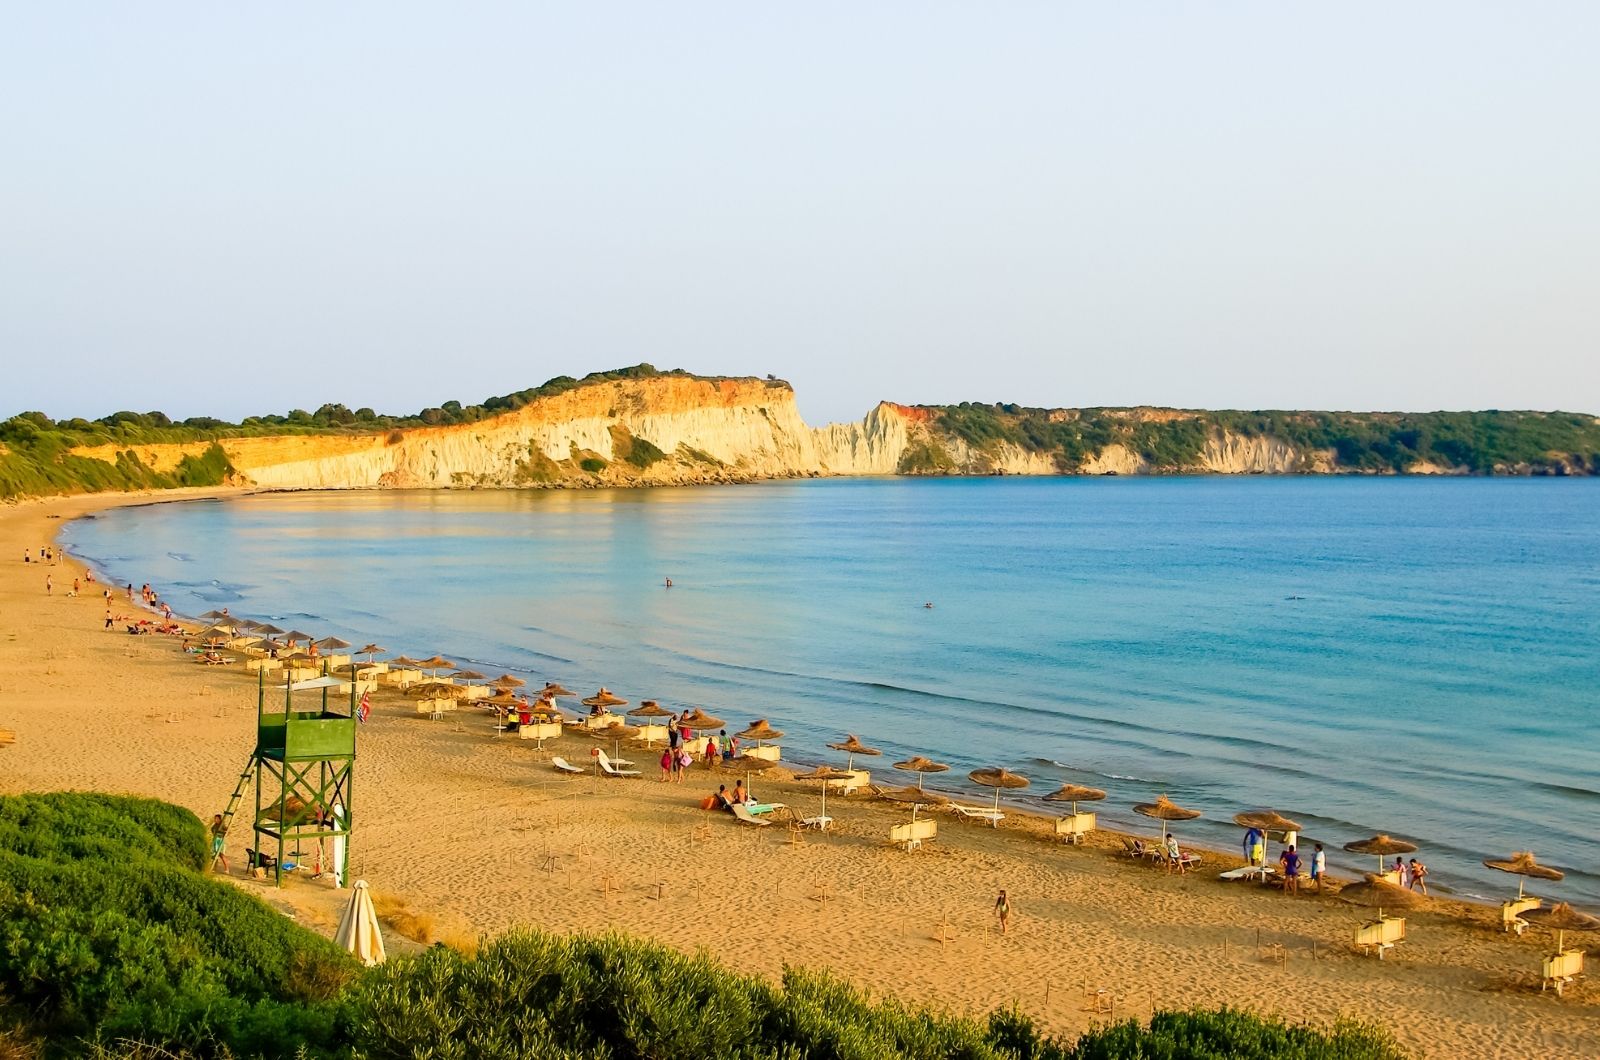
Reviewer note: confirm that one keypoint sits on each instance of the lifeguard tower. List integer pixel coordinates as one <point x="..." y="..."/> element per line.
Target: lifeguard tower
<point x="303" y="769"/>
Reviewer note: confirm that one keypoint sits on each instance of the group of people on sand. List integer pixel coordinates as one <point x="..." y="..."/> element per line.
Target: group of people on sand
<point x="723" y="799"/>
<point x="51" y="556"/>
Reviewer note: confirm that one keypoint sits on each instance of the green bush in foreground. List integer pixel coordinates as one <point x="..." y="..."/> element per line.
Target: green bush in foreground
<point x="114" y="942"/>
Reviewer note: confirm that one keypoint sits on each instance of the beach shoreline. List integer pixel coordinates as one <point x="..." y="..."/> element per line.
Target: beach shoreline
<point x="492" y="836"/>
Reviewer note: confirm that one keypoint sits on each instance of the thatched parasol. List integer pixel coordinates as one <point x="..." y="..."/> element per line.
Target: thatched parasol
<point x="1266" y="821"/>
<point x="700" y="721"/>
<point x="213" y="615"/>
<point x="1381" y="845"/>
<point x="269" y="629"/>
<point x="294" y="635"/>
<point x="406" y="661"/>
<point x="434" y="665"/>
<point x="467" y="675"/>
<point x="759" y="730"/>
<point x="852" y="747"/>
<point x="825" y="774"/>
<point x="246" y="623"/>
<point x="371" y="650"/>
<point x="747" y="765"/>
<point x="998" y="777"/>
<point x="1523" y="864"/>
<point x="1075" y="793"/>
<point x="649" y="709"/>
<point x="1562" y="918"/>
<point x="915" y="796"/>
<point x="435" y="690"/>
<point x="552" y="689"/>
<point x="1378" y="893"/>
<point x="616" y="732"/>
<point x="507" y="681"/>
<point x="604" y="699"/>
<point x="333" y="644"/>
<point x="920" y="765"/>
<point x="1164" y="810"/>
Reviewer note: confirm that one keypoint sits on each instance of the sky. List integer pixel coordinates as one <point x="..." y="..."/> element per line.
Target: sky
<point x="227" y="210"/>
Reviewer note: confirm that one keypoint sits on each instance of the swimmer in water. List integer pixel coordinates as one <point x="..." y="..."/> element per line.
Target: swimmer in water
<point x="669" y="583"/>
<point x="929" y="606"/>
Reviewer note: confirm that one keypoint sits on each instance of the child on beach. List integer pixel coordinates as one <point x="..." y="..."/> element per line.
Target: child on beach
<point x="1002" y="909"/>
<point x="1418" y="872"/>
<point x="684" y="761"/>
<point x="666" y="765"/>
<point x="219" y="833"/>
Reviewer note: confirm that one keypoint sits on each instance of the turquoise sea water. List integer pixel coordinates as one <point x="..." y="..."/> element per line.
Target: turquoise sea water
<point x="1406" y="655"/>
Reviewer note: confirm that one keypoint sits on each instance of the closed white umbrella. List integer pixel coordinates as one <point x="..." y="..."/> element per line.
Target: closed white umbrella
<point x="358" y="928"/>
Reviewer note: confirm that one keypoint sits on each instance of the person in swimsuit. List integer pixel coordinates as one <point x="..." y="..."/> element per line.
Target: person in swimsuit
<point x="1418" y="872"/>
<point x="1290" y="864"/>
<point x="219" y="834"/>
<point x="1002" y="909"/>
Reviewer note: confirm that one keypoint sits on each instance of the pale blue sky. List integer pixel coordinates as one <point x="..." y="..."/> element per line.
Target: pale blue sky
<point x="226" y="209"/>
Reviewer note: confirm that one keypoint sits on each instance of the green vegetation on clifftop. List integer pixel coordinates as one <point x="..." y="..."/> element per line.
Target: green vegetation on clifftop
<point x="1173" y="440"/>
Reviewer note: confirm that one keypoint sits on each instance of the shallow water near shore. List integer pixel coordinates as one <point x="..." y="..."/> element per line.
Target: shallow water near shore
<point x="1408" y="655"/>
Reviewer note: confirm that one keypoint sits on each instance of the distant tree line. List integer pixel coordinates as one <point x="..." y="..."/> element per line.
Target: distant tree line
<point x="1478" y="442"/>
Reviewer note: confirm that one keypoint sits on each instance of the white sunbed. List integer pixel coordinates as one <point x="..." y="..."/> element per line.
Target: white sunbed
<point x="610" y="770"/>
<point x="741" y="812"/>
<point x="1247" y="872"/>
<point x="979" y="813"/>
<point x="563" y="765"/>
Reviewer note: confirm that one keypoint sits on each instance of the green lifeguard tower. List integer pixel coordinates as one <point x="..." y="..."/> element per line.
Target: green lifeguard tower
<point x="303" y="769"/>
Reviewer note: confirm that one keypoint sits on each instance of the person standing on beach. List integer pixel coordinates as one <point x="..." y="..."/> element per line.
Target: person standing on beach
<point x="1319" y="867"/>
<point x="1002" y="909"/>
<point x="1290" y="864"/>
<point x="49" y="586"/>
<point x="108" y="618"/>
<point x="219" y="835"/>
<point x="1255" y="847"/>
<point x="1418" y="873"/>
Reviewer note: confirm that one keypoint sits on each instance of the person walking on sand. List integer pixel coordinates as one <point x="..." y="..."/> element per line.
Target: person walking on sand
<point x="108" y="618"/>
<point x="1002" y="910"/>
<point x="49" y="586"/>
<point x="1419" y="876"/>
<point x="219" y="833"/>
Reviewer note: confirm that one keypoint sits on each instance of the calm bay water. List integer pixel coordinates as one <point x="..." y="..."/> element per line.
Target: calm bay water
<point x="1414" y="656"/>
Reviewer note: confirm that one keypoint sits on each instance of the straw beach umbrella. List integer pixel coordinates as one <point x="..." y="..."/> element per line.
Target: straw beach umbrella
<point x="435" y="664"/>
<point x="269" y="629"/>
<point x="371" y="651"/>
<point x="294" y="635"/>
<point x="507" y="681"/>
<point x="1523" y="864"/>
<point x="332" y="644"/>
<point x="467" y="675"/>
<point x="1266" y="821"/>
<point x="1075" y="793"/>
<point x="214" y="615"/>
<point x="1562" y="918"/>
<point x="551" y="690"/>
<point x="358" y="928"/>
<point x="998" y="777"/>
<point x="1381" y="845"/>
<point x="915" y="796"/>
<point x="1378" y="893"/>
<point x="650" y="709"/>
<point x="604" y="699"/>
<point x="747" y="765"/>
<point x="919" y="765"/>
<point x="826" y="775"/>
<point x="852" y="747"/>
<point x="1164" y="810"/>
<point x="758" y="731"/>
<point x="616" y="732"/>
<point x="700" y="721"/>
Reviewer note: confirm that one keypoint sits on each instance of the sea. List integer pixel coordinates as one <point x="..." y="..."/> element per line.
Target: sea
<point x="1413" y="656"/>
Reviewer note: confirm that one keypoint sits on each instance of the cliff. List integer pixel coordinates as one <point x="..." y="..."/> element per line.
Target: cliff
<point x="643" y="427"/>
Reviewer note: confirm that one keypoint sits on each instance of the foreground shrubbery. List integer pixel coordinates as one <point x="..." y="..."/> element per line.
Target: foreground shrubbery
<point x="111" y="933"/>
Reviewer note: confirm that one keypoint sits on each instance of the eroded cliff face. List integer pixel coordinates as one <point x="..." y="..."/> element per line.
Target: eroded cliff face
<point x="674" y="430"/>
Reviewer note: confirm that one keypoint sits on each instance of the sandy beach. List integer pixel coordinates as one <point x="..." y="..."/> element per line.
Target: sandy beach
<point x="483" y="834"/>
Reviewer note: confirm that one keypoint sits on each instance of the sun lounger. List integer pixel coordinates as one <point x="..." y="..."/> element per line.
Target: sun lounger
<point x="565" y="766"/>
<point x="759" y="808"/>
<point x="980" y="813"/>
<point x="1246" y="872"/>
<point x="1381" y="935"/>
<point x="743" y="813"/>
<point x="611" y="770"/>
